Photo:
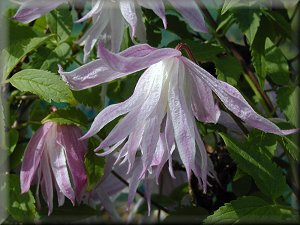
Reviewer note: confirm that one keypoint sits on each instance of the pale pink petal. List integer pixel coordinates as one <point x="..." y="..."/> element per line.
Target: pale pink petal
<point x="97" y="7"/>
<point x="134" y="142"/>
<point x="148" y="190"/>
<point x="182" y="120"/>
<point x="149" y="141"/>
<point x="117" y="27"/>
<point x="203" y="104"/>
<point x="170" y="141"/>
<point x="134" y="181"/>
<point x="132" y="63"/>
<point x="98" y="71"/>
<point x="127" y="8"/>
<point x="94" y="34"/>
<point x="162" y="155"/>
<point x="32" y="156"/>
<point x="60" y="195"/>
<point x="33" y="9"/>
<point x="137" y="116"/>
<point x="234" y="101"/>
<point x="140" y="27"/>
<point x="110" y="150"/>
<point x="191" y="13"/>
<point x="111" y="112"/>
<point x="122" y="129"/>
<point x="157" y="6"/>
<point x="201" y="159"/>
<point x="68" y="140"/>
<point x="47" y="184"/>
<point x="59" y="168"/>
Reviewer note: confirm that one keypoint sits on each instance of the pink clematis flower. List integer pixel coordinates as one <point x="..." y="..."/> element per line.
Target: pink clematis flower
<point x="160" y="115"/>
<point x="54" y="158"/>
<point x="110" y="18"/>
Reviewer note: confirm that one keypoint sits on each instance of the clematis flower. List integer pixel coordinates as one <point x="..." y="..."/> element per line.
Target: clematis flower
<point x="159" y="117"/>
<point x="54" y="159"/>
<point x="110" y="18"/>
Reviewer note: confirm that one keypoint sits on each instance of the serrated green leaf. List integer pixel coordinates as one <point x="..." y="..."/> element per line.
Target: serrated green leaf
<point x="229" y="4"/>
<point x="248" y="20"/>
<point x="276" y="64"/>
<point x="288" y="101"/>
<point x="291" y="147"/>
<point x="46" y="85"/>
<point x="94" y="165"/>
<point x="57" y="56"/>
<point x="19" y="46"/>
<point x="60" y="22"/>
<point x="279" y="21"/>
<point x="248" y="209"/>
<point x="21" y="206"/>
<point x="251" y="158"/>
<point x="228" y="69"/>
<point x="90" y="97"/>
<point x="67" y="116"/>
<point x="265" y="142"/>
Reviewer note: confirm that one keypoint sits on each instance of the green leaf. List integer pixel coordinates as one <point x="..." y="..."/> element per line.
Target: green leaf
<point x="21" y="206"/>
<point x="228" y="69"/>
<point x="90" y="97"/>
<point x="253" y="159"/>
<point x="248" y="20"/>
<point x="46" y="85"/>
<point x="19" y="46"/>
<point x="288" y="101"/>
<point x="248" y="209"/>
<point x="57" y="56"/>
<point x="67" y="116"/>
<point x="229" y="4"/>
<point x="276" y="64"/>
<point x="279" y="22"/>
<point x="94" y="165"/>
<point x="265" y="142"/>
<point x="13" y="139"/>
<point x="60" y="23"/>
<point x="291" y="147"/>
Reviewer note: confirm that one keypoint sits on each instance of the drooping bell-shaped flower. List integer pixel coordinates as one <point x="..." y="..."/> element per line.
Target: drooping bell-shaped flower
<point x="110" y="18"/>
<point x="53" y="159"/>
<point x="159" y="118"/>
